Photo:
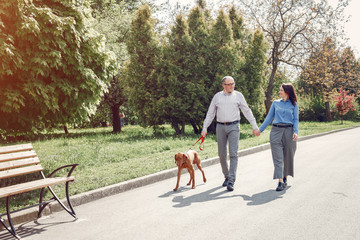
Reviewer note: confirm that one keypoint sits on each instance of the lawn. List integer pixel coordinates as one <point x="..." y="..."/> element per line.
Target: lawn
<point x="105" y="158"/>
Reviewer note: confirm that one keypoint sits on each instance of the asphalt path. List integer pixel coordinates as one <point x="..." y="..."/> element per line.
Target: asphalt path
<point x="320" y="202"/>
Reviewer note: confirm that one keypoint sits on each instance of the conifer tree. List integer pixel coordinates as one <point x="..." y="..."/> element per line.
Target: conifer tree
<point x="224" y="58"/>
<point x="350" y="74"/>
<point x="254" y="73"/>
<point x="141" y="70"/>
<point x="174" y="76"/>
<point x="199" y="66"/>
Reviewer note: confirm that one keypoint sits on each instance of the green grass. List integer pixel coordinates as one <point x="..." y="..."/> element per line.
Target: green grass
<point x="106" y="158"/>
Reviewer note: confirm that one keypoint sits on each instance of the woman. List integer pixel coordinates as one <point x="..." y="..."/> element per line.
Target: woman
<point x="284" y="113"/>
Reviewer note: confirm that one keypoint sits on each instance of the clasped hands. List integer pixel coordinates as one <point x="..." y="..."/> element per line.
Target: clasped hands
<point x="256" y="132"/>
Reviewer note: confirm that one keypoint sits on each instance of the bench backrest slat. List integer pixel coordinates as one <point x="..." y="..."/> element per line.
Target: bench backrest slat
<point x="20" y="171"/>
<point x="16" y="148"/>
<point x="19" y="163"/>
<point x="17" y="155"/>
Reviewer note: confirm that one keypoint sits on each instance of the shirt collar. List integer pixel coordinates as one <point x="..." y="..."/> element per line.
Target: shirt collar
<point x="223" y="91"/>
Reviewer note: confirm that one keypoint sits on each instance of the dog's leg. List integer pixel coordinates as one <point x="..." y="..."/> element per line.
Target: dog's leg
<point x="178" y="179"/>
<point x="190" y="176"/>
<point x="202" y="171"/>
<point x="198" y="164"/>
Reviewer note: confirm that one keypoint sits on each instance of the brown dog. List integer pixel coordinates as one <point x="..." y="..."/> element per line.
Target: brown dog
<point x="186" y="160"/>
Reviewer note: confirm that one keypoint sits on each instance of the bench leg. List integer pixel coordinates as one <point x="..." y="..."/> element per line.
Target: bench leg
<point x="11" y="229"/>
<point x="55" y="197"/>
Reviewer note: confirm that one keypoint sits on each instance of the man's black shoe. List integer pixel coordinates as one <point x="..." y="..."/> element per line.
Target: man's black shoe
<point x="225" y="182"/>
<point x="280" y="187"/>
<point x="230" y="186"/>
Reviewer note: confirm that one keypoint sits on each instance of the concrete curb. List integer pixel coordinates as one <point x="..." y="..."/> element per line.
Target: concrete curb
<point x="79" y="199"/>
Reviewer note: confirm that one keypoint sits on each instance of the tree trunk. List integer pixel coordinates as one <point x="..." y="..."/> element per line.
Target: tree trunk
<point x="66" y="130"/>
<point x="197" y="129"/>
<point x="182" y="128"/>
<point x="270" y="87"/>
<point x="116" y="119"/>
<point x="328" y="112"/>
<point x="176" y="128"/>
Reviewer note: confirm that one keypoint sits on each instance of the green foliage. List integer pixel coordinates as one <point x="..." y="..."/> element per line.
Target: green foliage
<point x="54" y="65"/>
<point x="114" y="21"/>
<point x="101" y="117"/>
<point x="344" y="103"/>
<point x="101" y="6"/>
<point x="327" y="70"/>
<point x="176" y="84"/>
<point x="312" y="108"/>
<point x="141" y="70"/>
<point x="254" y="74"/>
<point x="181" y="102"/>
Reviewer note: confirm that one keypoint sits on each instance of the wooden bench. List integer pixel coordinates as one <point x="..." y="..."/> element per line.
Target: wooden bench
<point x="21" y="160"/>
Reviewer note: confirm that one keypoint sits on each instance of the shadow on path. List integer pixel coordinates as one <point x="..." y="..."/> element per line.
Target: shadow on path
<point x="32" y="228"/>
<point x="264" y="197"/>
<point x="209" y="195"/>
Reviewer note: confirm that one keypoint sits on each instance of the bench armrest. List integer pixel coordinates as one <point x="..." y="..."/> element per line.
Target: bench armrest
<point x="72" y="166"/>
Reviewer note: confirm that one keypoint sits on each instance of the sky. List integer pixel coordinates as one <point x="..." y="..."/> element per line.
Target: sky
<point x="352" y="28"/>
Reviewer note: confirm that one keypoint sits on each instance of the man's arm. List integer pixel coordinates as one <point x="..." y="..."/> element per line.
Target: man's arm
<point x="209" y="116"/>
<point x="247" y="112"/>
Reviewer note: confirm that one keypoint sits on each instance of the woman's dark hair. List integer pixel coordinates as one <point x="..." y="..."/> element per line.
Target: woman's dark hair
<point x="290" y="90"/>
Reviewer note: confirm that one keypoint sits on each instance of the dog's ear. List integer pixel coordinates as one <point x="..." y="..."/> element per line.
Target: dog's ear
<point x="178" y="158"/>
<point x="184" y="157"/>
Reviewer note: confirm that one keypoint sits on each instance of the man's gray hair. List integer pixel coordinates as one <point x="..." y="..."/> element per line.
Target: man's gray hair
<point x="226" y="77"/>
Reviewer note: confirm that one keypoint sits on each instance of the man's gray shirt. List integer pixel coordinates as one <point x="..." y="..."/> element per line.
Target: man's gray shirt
<point x="227" y="109"/>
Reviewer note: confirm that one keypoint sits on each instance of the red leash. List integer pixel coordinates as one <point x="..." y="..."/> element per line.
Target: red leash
<point x="201" y="143"/>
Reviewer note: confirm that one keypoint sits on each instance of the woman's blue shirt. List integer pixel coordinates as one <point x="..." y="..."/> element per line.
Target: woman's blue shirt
<point x="282" y="112"/>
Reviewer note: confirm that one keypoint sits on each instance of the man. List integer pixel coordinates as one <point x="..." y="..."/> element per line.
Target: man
<point x="225" y="105"/>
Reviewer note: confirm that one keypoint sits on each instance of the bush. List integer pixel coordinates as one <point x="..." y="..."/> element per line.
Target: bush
<point x="352" y="116"/>
<point x="312" y="108"/>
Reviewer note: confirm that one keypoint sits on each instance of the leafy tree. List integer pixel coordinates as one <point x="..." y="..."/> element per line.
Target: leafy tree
<point x="280" y="78"/>
<point x="114" y="20"/>
<point x="294" y="29"/>
<point x="102" y="5"/>
<point x="115" y="98"/>
<point x="328" y="70"/>
<point x="100" y="118"/>
<point x="344" y="103"/>
<point x="54" y="65"/>
<point x="322" y="73"/>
